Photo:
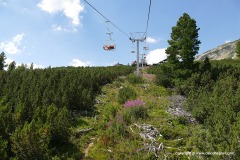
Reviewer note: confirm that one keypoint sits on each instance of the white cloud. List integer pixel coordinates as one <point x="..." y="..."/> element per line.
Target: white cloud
<point x="156" y="56"/>
<point x="111" y="63"/>
<point x="8" y="61"/>
<point x="70" y="8"/>
<point x="151" y="40"/>
<point x="13" y="46"/>
<point x="78" y="63"/>
<point x="35" y="66"/>
<point x="57" y="28"/>
<point x="17" y="39"/>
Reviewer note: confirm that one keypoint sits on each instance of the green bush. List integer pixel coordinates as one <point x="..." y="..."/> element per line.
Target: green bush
<point x="134" y="79"/>
<point x="127" y="117"/>
<point x="182" y="120"/>
<point x="182" y="73"/>
<point x="118" y="129"/>
<point x="119" y="81"/>
<point x="157" y="90"/>
<point x="59" y="122"/>
<point x="134" y="113"/>
<point x="125" y="94"/>
<point x="3" y="148"/>
<point x="31" y="141"/>
<point x="117" y="84"/>
<point x="164" y="80"/>
<point x="110" y="111"/>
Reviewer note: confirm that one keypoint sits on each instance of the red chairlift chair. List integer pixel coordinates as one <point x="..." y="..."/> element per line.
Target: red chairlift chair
<point x="109" y="47"/>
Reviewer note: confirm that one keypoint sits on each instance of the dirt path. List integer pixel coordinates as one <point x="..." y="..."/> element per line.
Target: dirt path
<point x="87" y="149"/>
<point x="150" y="77"/>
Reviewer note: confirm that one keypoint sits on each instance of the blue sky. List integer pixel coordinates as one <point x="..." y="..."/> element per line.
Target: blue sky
<point x="70" y="33"/>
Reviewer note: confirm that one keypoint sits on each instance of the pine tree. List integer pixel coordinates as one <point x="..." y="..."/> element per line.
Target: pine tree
<point x="12" y="66"/>
<point x="3" y="148"/>
<point x="31" y="66"/>
<point x="184" y="43"/>
<point x="2" y="61"/>
<point x="206" y="65"/>
<point x="31" y="141"/>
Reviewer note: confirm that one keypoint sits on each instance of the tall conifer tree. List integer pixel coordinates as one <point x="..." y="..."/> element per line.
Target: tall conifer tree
<point x="2" y="61"/>
<point x="184" y="43"/>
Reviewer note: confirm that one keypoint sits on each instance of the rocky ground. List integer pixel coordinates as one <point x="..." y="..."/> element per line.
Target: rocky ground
<point x="176" y="108"/>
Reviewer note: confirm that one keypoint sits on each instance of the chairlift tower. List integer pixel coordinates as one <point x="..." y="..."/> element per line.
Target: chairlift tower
<point x="143" y="58"/>
<point x="137" y="40"/>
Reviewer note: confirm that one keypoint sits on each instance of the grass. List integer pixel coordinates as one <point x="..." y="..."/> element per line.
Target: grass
<point x="114" y="138"/>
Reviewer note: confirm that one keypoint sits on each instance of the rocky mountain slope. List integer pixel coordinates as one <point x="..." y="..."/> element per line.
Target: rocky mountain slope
<point x="225" y="51"/>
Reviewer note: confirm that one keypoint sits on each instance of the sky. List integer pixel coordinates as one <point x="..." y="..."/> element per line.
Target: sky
<point x="70" y="33"/>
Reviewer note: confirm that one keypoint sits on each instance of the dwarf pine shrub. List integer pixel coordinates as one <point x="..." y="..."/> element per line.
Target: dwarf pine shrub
<point x="126" y="93"/>
<point x="134" y="79"/>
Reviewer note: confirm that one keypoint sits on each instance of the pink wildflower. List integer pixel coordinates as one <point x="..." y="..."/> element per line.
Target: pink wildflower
<point x="134" y="103"/>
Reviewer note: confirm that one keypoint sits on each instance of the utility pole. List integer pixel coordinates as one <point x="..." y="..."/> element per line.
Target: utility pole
<point x="137" y="40"/>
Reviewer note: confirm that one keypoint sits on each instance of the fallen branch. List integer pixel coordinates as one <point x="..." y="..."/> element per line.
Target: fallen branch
<point x="80" y="132"/>
<point x="149" y="132"/>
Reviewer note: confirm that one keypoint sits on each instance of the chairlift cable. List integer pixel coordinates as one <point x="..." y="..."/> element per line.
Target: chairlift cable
<point x="107" y="27"/>
<point x="107" y="19"/>
<point x="130" y="37"/>
<point x="149" y="11"/>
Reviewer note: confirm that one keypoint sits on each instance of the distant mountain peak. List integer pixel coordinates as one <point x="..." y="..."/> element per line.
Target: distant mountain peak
<point x="224" y="51"/>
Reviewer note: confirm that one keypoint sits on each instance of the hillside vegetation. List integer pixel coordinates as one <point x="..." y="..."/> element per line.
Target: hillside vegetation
<point x="38" y="109"/>
<point x="181" y="109"/>
<point x="212" y="91"/>
<point x="89" y="113"/>
<point x="185" y="114"/>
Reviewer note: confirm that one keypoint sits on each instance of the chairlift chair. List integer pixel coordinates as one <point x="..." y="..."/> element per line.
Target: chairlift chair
<point x="110" y="45"/>
<point x="133" y="48"/>
<point x="145" y="48"/>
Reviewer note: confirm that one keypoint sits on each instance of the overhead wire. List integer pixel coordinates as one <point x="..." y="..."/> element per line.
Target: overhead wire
<point x="148" y="17"/>
<point x="107" y="19"/>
